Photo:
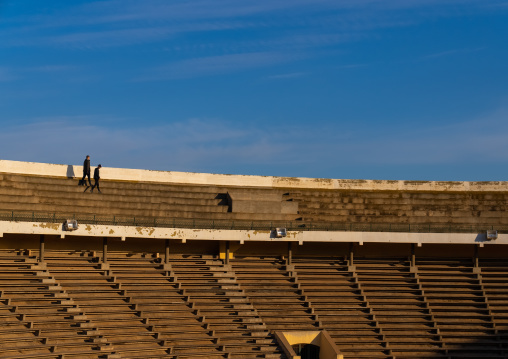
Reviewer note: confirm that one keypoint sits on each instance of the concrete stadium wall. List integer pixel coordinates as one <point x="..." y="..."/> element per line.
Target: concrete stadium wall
<point x="122" y="174"/>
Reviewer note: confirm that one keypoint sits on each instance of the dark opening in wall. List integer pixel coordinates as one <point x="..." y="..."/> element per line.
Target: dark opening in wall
<point x="307" y="351"/>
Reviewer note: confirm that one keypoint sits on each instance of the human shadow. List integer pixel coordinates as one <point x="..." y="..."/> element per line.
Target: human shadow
<point x="70" y="171"/>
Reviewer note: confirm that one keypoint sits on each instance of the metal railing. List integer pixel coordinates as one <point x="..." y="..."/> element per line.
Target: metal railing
<point x="247" y="225"/>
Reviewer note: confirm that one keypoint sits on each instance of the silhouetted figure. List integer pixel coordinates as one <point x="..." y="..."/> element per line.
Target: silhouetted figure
<point x="86" y="172"/>
<point x="96" y="177"/>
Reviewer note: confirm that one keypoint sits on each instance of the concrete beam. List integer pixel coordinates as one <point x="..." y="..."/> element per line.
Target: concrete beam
<point x="245" y="236"/>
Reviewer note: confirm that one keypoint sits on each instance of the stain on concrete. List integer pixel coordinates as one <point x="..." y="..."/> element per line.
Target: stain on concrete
<point x="358" y="181"/>
<point x="417" y="183"/>
<point x="145" y="230"/>
<point x="261" y="232"/>
<point x="88" y="228"/>
<point x="323" y="180"/>
<point x="55" y="226"/>
<point x="111" y="231"/>
<point x="385" y="181"/>
<point x="288" y="180"/>
<point x="487" y="183"/>
<point x="449" y="183"/>
<point x="177" y="234"/>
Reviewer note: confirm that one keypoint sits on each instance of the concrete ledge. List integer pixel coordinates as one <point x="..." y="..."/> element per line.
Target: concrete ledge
<point x="238" y="236"/>
<point x="328" y="349"/>
<point x="134" y="175"/>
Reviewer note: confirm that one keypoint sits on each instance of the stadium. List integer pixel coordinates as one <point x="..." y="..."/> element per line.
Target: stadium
<point x="192" y="265"/>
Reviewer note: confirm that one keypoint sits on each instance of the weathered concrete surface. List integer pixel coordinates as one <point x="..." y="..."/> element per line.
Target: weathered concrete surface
<point x="44" y="188"/>
<point x="260" y="201"/>
<point x="122" y="174"/>
<point x="244" y="236"/>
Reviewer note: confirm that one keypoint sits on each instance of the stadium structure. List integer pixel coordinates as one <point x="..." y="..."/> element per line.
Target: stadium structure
<point x="190" y="265"/>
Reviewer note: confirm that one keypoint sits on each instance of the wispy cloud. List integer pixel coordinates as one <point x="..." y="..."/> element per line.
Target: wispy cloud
<point x="453" y="52"/>
<point x="15" y="73"/>
<point x="189" y="145"/>
<point x="6" y="74"/>
<point x="110" y="38"/>
<point x="52" y="68"/>
<point x="217" y="65"/>
<point x="291" y="75"/>
<point x="204" y="34"/>
<point x="470" y="141"/>
<point x="213" y="145"/>
<point x="352" y="66"/>
<point x="126" y="11"/>
<point x="128" y="22"/>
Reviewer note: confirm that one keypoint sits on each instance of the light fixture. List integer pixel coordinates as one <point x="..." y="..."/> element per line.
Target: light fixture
<point x="70" y="225"/>
<point x="281" y="232"/>
<point x="491" y="234"/>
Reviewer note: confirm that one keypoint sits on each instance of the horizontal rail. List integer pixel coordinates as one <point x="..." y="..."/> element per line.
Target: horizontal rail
<point x="248" y="225"/>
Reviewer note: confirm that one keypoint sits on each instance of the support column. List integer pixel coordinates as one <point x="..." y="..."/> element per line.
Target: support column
<point x="227" y="253"/>
<point x="351" y="256"/>
<point x="290" y="253"/>
<point x="412" y="260"/>
<point x="166" y="255"/>
<point x="476" y="259"/>
<point x="166" y="266"/>
<point x="105" y="250"/>
<point x="413" y="256"/>
<point x="41" y="248"/>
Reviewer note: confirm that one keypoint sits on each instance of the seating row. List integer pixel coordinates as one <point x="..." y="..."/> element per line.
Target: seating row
<point x="196" y="305"/>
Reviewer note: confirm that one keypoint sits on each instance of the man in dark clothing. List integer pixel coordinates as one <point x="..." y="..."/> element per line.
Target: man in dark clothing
<point x="96" y="177"/>
<point x="86" y="172"/>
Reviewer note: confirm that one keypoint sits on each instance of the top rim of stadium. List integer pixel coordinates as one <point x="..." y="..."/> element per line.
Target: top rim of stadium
<point x="250" y="181"/>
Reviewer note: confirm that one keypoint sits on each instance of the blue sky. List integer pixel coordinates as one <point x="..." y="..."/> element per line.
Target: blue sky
<point x="369" y="89"/>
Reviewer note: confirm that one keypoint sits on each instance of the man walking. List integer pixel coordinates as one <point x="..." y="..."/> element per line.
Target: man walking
<point x="86" y="172"/>
<point x="96" y="177"/>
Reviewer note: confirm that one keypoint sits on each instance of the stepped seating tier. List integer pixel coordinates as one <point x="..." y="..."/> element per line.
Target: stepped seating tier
<point x="197" y="306"/>
<point x="155" y="294"/>
<point x="399" y="307"/>
<point x="402" y="207"/>
<point x="334" y="295"/>
<point x="35" y="309"/>
<point x="30" y="193"/>
<point x="459" y="306"/>
<point x="123" y="199"/>
<point x="214" y="292"/>
<point x="274" y="293"/>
